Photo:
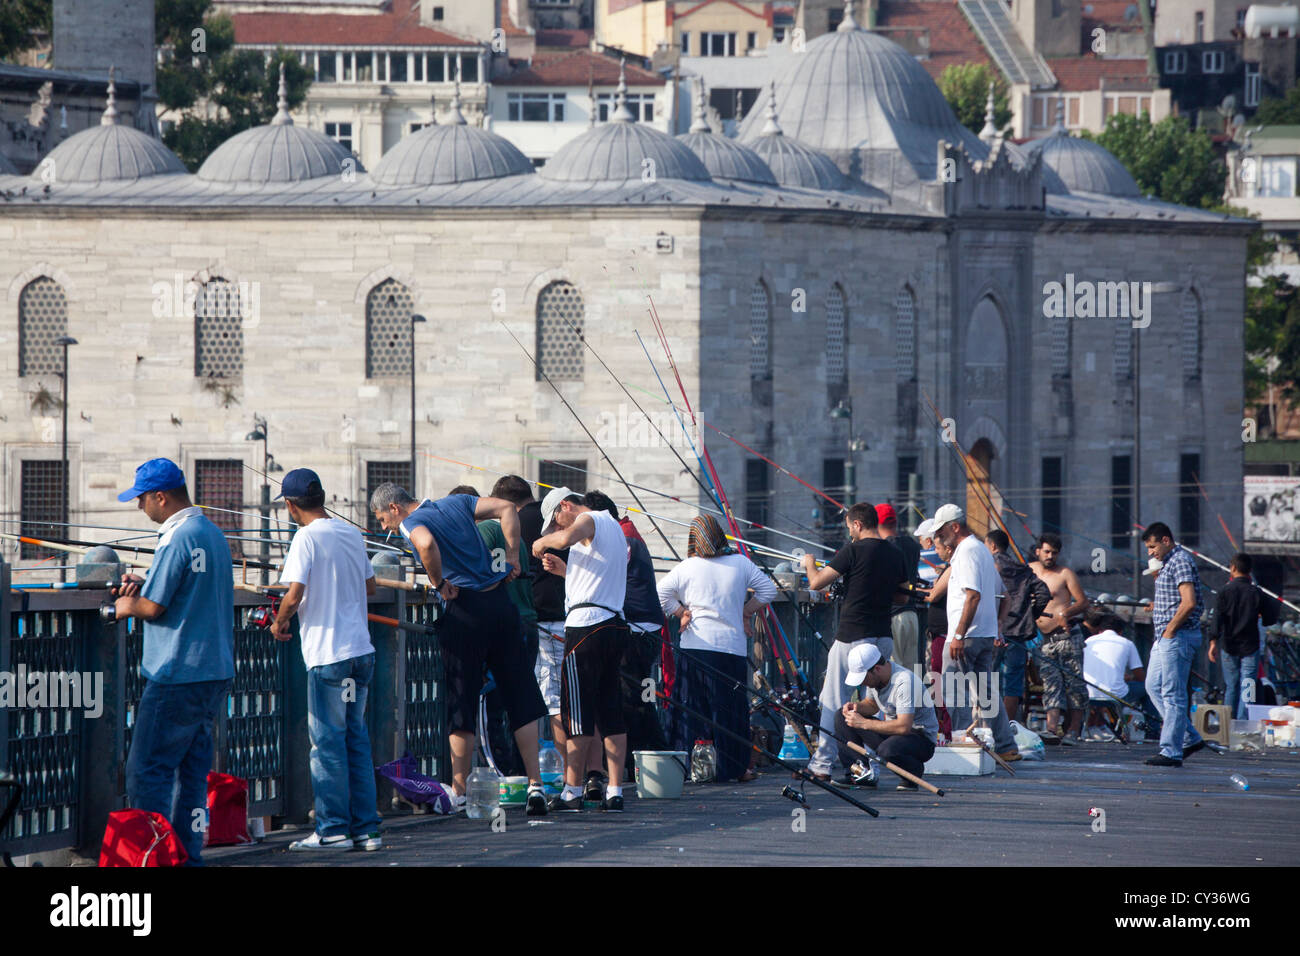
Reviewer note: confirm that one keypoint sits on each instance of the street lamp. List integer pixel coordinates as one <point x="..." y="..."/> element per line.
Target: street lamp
<point x="844" y="410"/>
<point x="259" y="433"/>
<point x="415" y="317"/>
<point x="65" y="341"/>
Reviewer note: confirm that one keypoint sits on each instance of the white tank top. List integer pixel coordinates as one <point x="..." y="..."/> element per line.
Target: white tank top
<point x="597" y="573"/>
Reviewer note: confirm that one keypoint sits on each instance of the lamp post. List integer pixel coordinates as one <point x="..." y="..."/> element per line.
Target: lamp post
<point x="844" y="410"/>
<point x="415" y="317"/>
<point x="65" y="341"/>
<point x="259" y="433"/>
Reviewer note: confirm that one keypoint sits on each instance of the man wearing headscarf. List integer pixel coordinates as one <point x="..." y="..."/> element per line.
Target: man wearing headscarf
<point x="709" y="594"/>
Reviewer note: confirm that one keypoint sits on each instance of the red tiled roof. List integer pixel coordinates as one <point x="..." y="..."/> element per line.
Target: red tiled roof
<point x="1078" y="73"/>
<point x="576" y="39"/>
<point x="562" y="67"/>
<point x="400" y="26"/>
<point x="951" y="38"/>
<point x="1110" y="13"/>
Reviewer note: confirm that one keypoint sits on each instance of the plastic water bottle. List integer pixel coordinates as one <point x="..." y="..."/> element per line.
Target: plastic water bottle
<point x="482" y="793"/>
<point x="551" y="766"/>
<point x="704" y="762"/>
<point x="1240" y="782"/>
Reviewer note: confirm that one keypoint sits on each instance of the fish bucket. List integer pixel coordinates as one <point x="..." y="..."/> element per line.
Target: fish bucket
<point x="660" y="773"/>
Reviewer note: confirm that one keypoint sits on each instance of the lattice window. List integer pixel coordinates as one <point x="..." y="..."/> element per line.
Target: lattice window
<point x="42" y="320"/>
<point x="219" y="483"/>
<point x="905" y="335"/>
<point x="760" y="325"/>
<point x="388" y="329"/>
<point x="43" y="504"/>
<point x="836" y="339"/>
<point x="1191" y="335"/>
<point x="563" y="474"/>
<point x="218" y="331"/>
<point x="559" y="329"/>
<point x="1123" y="353"/>
<point x="1060" y="346"/>
<point x="378" y="472"/>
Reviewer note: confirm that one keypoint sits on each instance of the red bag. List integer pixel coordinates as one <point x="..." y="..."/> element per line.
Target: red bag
<point x="139" y="838"/>
<point x="227" y="810"/>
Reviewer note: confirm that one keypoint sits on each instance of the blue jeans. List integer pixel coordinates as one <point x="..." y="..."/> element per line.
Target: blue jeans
<point x="1171" y="664"/>
<point x="1238" y="673"/>
<point x="171" y="754"/>
<point x="342" y="774"/>
<point x="1012" y="660"/>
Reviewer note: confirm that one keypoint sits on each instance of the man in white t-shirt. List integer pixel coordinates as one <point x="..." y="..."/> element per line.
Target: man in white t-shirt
<point x="1110" y="660"/>
<point x="969" y="673"/>
<point x="595" y="635"/>
<point x="329" y="579"/>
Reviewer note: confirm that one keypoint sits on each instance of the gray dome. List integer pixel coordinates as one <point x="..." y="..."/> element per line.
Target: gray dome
<point x="277" y="153"/>
<point x="792" y="163"/>
<point x="108" y="152"/>
<point x="855" y="90"/>
<point x="617" y="150"/>
<point x="455" y="153"/>
<point x="1082" y="166"/>
<point x="724" y="158"/>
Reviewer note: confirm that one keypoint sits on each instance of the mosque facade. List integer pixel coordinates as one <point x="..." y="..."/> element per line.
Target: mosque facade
<point x="854" y="248"/>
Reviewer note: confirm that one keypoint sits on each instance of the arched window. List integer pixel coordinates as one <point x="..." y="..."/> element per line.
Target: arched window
<point x="42" y="321"/>
<point x="388" y="330"/>
<point x="1060" y="345"/>
<point x="836" y="336"/>
<point x="760" y="326"/>
<point x="218" y="331"/>
<point x="1122" y="364"/>
<point x="905" y="335"/>
<point x="1191" y="335"/>
<point x="559" y="332"/>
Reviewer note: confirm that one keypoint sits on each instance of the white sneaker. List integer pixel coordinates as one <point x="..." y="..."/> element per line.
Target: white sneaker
<point x="317" y="842"/>
<point x="458" y="801"/>
<point x="371" y="841"/>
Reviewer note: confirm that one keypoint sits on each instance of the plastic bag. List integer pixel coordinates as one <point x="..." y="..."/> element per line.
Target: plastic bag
<point x="1029" y="744"/>
<point x="415" y="786"/>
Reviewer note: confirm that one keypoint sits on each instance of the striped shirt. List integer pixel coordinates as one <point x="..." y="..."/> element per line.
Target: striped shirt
<point x="1178" y="568"/>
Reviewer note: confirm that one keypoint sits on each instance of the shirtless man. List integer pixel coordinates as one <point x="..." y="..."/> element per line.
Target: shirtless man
<point x="1063" y="640"/>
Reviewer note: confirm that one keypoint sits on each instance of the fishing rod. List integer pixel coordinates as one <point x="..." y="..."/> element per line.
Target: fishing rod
<point x="564" y="401"/>
<point x="799" y="773"/>
<point x="1223" y="567"/>
<point x="852" y="745"/>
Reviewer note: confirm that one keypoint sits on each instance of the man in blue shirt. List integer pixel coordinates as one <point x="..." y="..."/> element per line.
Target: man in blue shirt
<point x="480" y="626"/>
<point x="1176" y="631"/>
<point x="187" y="604"/>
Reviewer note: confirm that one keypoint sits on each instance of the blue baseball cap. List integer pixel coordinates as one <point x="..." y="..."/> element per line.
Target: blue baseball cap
<point x="156" y="474"/>
<point x="299" y="483"/>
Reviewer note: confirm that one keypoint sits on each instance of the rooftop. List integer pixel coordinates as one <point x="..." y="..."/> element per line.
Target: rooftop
<point x="398" y="26"/>
<point x="574" y="67"/>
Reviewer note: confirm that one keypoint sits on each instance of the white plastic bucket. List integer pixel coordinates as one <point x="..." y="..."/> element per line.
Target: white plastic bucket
<point x="660" y="773"/>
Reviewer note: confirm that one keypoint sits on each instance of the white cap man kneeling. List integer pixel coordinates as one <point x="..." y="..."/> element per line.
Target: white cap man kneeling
<point x="895" y="717"/>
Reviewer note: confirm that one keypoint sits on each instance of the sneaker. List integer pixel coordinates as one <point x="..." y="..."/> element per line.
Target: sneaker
<point x="371" y="841"/>
<point x="593" y="790"/>
<point x="536" y="805"/>
<point x="1010" y="756"/>
<point x="1073" y="740"/>
<point x="559" y="805"/>
<point x="613" y="804"/>
<point x="1068" y="741"/>
<point x="906" y="785"/>
<point x="1188" y="751"/>
<point x="1160" y="760"/>
<point x="458" y="801"/>
<point x="317" y="842"/>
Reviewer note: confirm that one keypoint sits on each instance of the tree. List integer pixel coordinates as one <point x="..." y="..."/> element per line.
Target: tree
<point x="202" y="69"/>
<point x="1279" y="112"/>
<point x="966" y="88"/>
<point x="21" y="21"/>
<point x="1169" y="159"/>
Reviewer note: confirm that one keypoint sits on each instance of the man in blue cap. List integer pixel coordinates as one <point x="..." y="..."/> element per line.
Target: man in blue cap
<point x="187" y="604"/>
<point x="329" y="578"/>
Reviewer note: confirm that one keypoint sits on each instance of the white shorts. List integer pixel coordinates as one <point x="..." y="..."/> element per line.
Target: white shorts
<point x="550" y="661"/>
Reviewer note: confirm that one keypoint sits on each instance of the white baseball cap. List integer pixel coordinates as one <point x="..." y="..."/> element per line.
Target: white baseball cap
<point x="551" y="504"/>
<point x="861" y="659"/>
<point x="946" y="513"/>
<point x="925" y="529"/>
<point x="1153" y="565"/>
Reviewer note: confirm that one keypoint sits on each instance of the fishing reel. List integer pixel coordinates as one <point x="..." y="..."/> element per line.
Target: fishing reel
<point x="108" y="613"/>
<point x="798" y="796"/>
<point x="264" y="617"/>
<point x="798" y="701"/>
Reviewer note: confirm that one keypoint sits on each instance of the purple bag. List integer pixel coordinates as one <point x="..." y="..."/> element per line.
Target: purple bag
<point x="415" y="786"/>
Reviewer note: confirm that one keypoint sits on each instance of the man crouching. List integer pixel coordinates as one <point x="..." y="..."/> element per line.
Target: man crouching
<point x="906" y="729"/>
